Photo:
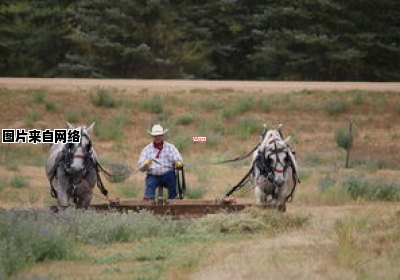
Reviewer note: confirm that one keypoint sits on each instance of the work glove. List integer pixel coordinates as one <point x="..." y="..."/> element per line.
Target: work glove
<point x="147" y="163"/>
<point x="178" y="164"/>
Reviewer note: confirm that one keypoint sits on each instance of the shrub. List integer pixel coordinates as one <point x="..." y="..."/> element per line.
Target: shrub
<point x="343" y="138"/>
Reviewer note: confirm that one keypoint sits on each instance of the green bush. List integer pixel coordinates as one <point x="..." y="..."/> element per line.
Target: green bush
<point x="343" y="138"/>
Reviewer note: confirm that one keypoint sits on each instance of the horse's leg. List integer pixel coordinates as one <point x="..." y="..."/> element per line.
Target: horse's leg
<point x="84" y="193"/>
<point x="61" y="185"/>
<point x="261" y="197"/>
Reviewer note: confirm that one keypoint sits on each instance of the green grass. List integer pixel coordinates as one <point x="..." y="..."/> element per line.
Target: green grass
<point x="374" y="164"/>
<point x="246" y="127"/>
<point x="372" y="189"/>
<point x="28" y="237"/>
<point x="19" y="182"/>
<point x="25" y="239"/>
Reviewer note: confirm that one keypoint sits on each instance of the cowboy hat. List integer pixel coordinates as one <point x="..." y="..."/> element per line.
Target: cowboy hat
<point x="157" y="130"/>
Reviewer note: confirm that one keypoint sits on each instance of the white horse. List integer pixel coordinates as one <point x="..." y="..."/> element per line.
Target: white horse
<point x="71" y="169"/>
<point x="275" y="171"/>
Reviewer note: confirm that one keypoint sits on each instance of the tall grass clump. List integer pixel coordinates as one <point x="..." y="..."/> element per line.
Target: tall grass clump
<point x="50" y="106"/>
<point x="153" y="105"/>
<point x="102" y="98"/>
<point x="38" y="95"/>
<point x="19" y="182"/>
<point x="369" y="189"/>
<point x="185" y="119"/>
<point x="336" y="107"/>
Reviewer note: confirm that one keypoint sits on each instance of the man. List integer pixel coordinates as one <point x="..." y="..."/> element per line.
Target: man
<point x="159" y="159"/>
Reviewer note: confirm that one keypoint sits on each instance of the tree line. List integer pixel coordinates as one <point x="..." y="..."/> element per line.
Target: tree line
<point x="196" y="39"/>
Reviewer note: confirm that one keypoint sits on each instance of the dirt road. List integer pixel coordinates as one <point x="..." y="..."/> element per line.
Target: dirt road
<point x="173" y="85"/>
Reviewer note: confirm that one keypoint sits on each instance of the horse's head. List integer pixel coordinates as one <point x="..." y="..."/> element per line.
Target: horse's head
<point x="276" y="156"/>
<point x="79" y="154"/>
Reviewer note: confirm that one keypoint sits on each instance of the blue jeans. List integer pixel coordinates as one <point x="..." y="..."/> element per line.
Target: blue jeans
<point x="168" y="180"/>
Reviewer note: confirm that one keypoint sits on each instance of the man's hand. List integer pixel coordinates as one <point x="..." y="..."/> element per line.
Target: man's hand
<point x="147" y="162"/>
<point x="178" y="164"/>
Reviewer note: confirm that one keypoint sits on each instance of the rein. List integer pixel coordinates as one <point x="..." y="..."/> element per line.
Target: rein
<point x="240" y="157"/>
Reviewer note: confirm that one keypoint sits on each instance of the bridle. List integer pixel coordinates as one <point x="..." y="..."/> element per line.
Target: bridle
<point x="69" y="154"/>
<point x="271" y="170"/>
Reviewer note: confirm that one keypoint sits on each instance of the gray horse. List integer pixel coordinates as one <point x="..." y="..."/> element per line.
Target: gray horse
<point x="72" y="170"/>
<point x="275" y="171"/>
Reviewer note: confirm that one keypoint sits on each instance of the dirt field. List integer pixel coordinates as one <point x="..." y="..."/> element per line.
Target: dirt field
<point x="174" y="85"/>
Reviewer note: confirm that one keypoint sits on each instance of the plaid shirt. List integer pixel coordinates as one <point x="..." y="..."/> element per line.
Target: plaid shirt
<point x="167" y="158"/>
